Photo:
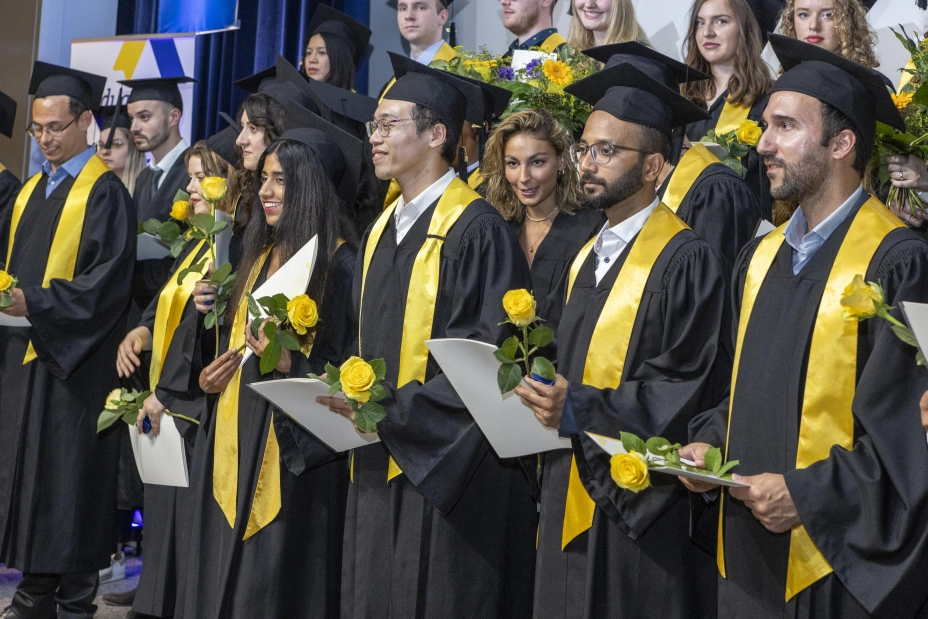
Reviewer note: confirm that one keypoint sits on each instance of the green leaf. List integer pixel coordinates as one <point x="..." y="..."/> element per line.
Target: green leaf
<point x="5" y="301"/>
<point x="508" y="376"/>
<point x="904" y="334"/>
<point x="271" y="357"/>
<point x="544" y="368"/>
<point x="920" y="358"/>
<point x="131" y="416"/>
<point x="168" y="231"/>
<point x="281" y="315"/>
<point x="253" y="308"/>
<point x="256" y="328"/>
<point x="281" y="301"/>
<point x="203" y="222"/>
<point x="106" y="419"/>
<point x="632" y="443"/>
<point x="507" y="352"/>
<point x="270" y="330"/>
<point x="921" y="95"/>
<point x="540" y="336"/>
<point x="210" y="320"/>
<point x="181" y="195"/>
<point x="332" y="373"/>
<point x="220" y="274"/>
<point x="713" y="459"/>
<point x="288" y="340"/>
<point x="218" y="227"/>
<point x="658" y="446"/>
<point x="378" y="393"/>
<point x="268" y="304"/>
<point x="380" y="368"/>
<point x="727" y="467"/>
<point x="368" y="416"/>
<point x="151" y="226"/>
<point x="335" y="387"/>
<point x="177" y="246"/>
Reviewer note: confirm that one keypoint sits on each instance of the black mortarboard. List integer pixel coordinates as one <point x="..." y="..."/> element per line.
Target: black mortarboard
<point x="283" y="91"/>
<point x="50" y="80"/>
<point x="357" y="107"/>
<point x="223" y="144"/>
<point x="296" y="84"/>
<point x="339" y="152"/>
<point x="441" y="92"/>
<point x="158" y="89"/>
<point x="663" y="69"/>
<point x="629" y="94"/>
<point x="487" y="107"/>
<point x="767" y="14"/>
<point x="327" y="20"/>
<point x="253" y="83"/>
<point x="7" y="114"/>
<point x="231" y="122"/>
<point x="858" y="92"/>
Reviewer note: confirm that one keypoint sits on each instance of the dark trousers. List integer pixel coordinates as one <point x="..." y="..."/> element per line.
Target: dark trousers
<point x="61" y="596"/>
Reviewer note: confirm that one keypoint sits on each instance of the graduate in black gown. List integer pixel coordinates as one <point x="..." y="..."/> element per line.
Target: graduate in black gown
<point x="437" y="525"/>
<point x="723" y="39"/>
<point x="639" y="350"/>
<point x="9" y="184"/>
<point x="57" y="475"/>
<point x="267" y="536"/>
<point x="823" y="415"/>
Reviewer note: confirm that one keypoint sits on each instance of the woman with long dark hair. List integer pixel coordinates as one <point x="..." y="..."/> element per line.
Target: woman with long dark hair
<point x="271" y="497"/>
<point x="334" y="48"/>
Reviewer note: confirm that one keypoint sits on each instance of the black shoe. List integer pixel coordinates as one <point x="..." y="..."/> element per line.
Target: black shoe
<point x="120" y="599"/>
<point x="134" y="615"/>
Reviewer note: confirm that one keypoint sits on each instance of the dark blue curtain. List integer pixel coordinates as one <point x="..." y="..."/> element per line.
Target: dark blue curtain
<point x="267" y="28"/>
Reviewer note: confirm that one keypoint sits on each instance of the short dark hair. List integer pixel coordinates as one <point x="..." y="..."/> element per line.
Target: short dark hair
<point x="652" y="140"/>
<point x="426" y="118"/>
<point x="834" y="121"/>
<point x="76" y="107"/>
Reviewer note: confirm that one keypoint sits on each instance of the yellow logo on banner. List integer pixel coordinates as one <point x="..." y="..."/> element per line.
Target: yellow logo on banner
<point x="128" y="58"/>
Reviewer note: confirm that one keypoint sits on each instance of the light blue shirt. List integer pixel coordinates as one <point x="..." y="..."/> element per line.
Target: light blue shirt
<point x="427" y="56"/>
<point x="806" y="244"/>
<point x="71" y="167"/>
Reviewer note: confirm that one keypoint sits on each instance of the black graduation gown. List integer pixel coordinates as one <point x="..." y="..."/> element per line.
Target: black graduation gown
<point x="57" y="475"/>
<point x="290" y="568"/>
<point x="637" y="560"/>
<point x="755" y="173"/>
<point x="9" y="188"/>
<point x="721" y="209"/>
<point x="454" y="535"/>
<point x="865" y="509"/>
<point x="150" y="275"/>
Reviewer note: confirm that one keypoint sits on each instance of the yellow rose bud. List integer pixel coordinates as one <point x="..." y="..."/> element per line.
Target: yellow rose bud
<point x="302" y="313"/>
<point x="749" y="133"/>
<point x="180" y="210"/>
<point x="113" y="400"/>
<point x="6" y="280"/>
<point x="357" y="378"/>
<point x="861" y="299"/>
<point x="630" y="471"/>
<point x="213" y="188"/>
<point x="520" y="307"/>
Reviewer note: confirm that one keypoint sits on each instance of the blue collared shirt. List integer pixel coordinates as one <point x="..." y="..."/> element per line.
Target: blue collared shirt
<point x="805" y="244"/>
<point x="429" y="53"/>
<point x="72" y="167"/>
<point x="533" y="41"/>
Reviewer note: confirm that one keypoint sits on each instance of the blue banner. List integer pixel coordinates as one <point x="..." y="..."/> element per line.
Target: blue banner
<point x="195" y="15"/>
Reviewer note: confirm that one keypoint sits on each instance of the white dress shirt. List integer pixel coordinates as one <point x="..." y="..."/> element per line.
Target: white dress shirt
<point x="407" y="213"/>
<point x="805" y="244"/>
<point x="429" y="53"/>
<point x="612" y="241"/>
<point x="168" y="160"/>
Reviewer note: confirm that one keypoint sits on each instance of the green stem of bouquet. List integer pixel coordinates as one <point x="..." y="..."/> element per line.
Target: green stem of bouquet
<point x="210" y="238"/>
<point x="883" y="312"/>
<point x="524" y="346"/>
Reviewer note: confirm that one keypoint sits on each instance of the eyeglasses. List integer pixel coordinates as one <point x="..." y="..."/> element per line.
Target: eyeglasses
<point x="383" y="126"/>
<point x="53" y="132"/>
<point x="117" y="144"/>
<point x="602" y="151"/>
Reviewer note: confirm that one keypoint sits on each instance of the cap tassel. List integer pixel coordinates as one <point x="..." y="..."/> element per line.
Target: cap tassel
<point x="462" y="164"/>
<point x="116" y="113"/>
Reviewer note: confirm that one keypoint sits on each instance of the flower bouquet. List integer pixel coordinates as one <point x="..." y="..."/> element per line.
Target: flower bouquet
<point x="520" y="349"/>
<point x="360" y="382"/>
<point x="736" y="143"/>
<point x="864" y="300"/>
<point x="291" y="325"/>
<point x="125" y="404"/>
<point x="7" y="284"/>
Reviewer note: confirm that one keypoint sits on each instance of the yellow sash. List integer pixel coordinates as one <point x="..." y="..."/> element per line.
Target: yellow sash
<point x="266" y="503"/>
<point x="553" y="42"/>
<point x="171" y="304"/>
<point x="605" y="359"/>
<point x="827" y="417"/>
<point x="423" y="284"/>
<point x="691" y="165"/>
<point x="731" y="117"/>
<point x="445" y="52"/>
<point x="62" y="257"/>
<point x="475" y="179"/>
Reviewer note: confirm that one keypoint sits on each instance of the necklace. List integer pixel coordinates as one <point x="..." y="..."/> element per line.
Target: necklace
<point x="541" y="235"/>
<point x="546" y="217"/>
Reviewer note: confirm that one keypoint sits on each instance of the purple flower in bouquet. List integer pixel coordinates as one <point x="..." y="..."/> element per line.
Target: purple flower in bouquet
<point x="506" y="74"/>
<point x="533" y="68"/>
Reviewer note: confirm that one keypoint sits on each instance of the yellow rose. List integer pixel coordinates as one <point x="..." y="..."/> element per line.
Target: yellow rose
<point x="213" y="188"/>
<point x="357" y="378"/>
<point x="113" y="400"/>
<point x="180" y="210"/>
<point x="861" y="299"/>
<point x="6" y="280"/>
<point x="558" y="72"/>
<point x="749" y="133"/>
<point x="302" y="313"/>
<point x="630" y="471"/>
<point x="902" y="100"/>
<point x="520" y="307"/>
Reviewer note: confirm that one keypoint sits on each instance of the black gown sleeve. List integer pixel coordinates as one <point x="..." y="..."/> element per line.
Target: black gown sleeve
<point x="725" y="213"/>
<point x="178" y="388"/>
<point x="148" y="316"/>
<point x="428" y="430"/>
<point x="71" y="318"/>
<point x="9" y="189"/>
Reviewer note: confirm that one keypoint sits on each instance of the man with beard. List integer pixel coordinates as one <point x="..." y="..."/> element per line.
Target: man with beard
<point x="640" y="349"/>
<point x="532" y="23"/>
<point x="822" y="414"/>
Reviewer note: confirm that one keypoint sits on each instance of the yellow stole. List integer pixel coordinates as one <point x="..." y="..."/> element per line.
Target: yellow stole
<point x="171" y="304"/>
<point x="691" y="165"/>
<point x="62" y="257"/>
<point x="605" y="359"/>
<point x="266" y="503"/>
<point x="445" y="52"/>
<point x="827" y="416"/>
<point x="553" y="42"/>
<point x="423" y="284"/>
<point x="731" y="117"/>
<point x="475" y="179"/>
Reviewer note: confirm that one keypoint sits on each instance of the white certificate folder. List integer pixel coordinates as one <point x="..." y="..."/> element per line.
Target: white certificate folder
<point x="161" y="459"/>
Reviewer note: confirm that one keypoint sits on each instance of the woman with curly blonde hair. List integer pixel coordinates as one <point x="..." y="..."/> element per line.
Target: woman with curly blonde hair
<point x="533" y="185"/>
<point x="840" y="26"/>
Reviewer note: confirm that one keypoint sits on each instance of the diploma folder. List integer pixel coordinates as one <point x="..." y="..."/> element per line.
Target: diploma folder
<point x="511" y="427"/>
<point x="161" y="459"/>
<point x="150" y="247"/>
<point x="297" y="398"/>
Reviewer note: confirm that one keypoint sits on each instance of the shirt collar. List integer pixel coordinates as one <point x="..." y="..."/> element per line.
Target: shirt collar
<point x="626" y="230"/>
<point x="471" y="167"/>
<point x="533" y="41"/>
<point x="424" y="199"/>
<point x="72" y="166"/>
<point x="428" y="55"/>
<point x="167" y="162"/>
<point x="795" y="232"/>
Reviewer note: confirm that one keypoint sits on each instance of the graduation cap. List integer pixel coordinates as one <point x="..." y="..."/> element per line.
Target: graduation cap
<point x="339" y="152"/>
<point x="345" y="103"/>
<point x="234" y="124"/>
<point x="266" y="83"/>
<point x="158" y="89"/>
<point x="223" y="144"/>
<point x="7" y="114"/>
<point x="327" y="20"/>
<point x="300" y="91"/>
<point x="441" y="92"/>
<point x="487" y="107"/>
<point x="663" y="69"/>
<point x="50" y="80"/>
<point x="856" y="91"/>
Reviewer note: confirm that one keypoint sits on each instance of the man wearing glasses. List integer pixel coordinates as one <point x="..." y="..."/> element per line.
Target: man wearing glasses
<point x="640" y="350"/>
<point x="70" y="240"/>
